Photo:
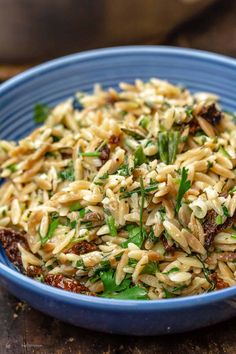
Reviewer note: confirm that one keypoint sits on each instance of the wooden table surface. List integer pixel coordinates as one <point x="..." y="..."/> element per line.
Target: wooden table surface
<point x="24" y="330"/>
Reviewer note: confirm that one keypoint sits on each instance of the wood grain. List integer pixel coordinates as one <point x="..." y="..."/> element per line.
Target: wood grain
<point x="24" y="330"/>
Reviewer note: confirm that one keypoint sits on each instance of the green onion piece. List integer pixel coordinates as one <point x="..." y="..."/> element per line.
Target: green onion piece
<point x="147" y="189"/>
<point x="173" y="141"/>
<point x="90" y="154"/>
<point x="139" y="156"/>
<point x="225" y="211"/>
<point x="134" y="134"/>
<point x="68" y="173"/>
<point x="111" y="224"/>
<point x="163" y="147"/>
<point x="144" y="122"/>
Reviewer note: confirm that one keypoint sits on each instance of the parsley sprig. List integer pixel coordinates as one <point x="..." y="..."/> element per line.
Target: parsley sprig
<point x="121" y="291"/>
<point x="183" y="188"/>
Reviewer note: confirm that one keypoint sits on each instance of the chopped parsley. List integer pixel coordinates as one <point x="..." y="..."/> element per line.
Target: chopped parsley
<point x="13" y="167"/>
<point x="224" y="152"/>
<point x="183" y="188"/>
<point x="207" y="274"/>
<point x="172" y="270"/>
<point x="82" y="213"/>
<point x="219" y="220"/>
<point x="151" y="268"/>
<point x="144" y="122"/>
<point x="75" y="206"/>
<point x="121" y="291"/>
<point x="68" y="174"/>
<point x="135" y="235"/>
<point x="51" y="229"/>
<point x="41" y="112"/>
<point x="225" y="211"/>
<point x="139" y="156"/>
<point x="111" y="225"/>
<point x="105" y="176"/>
<point x="189" y="111"/>
<point x="124" y="170"/>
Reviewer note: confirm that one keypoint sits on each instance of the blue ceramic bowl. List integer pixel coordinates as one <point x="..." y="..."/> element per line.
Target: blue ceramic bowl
<point x="53" y="82"/>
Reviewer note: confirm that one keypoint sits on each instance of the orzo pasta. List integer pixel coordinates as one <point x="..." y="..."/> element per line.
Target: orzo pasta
<point x="127" y="194"/>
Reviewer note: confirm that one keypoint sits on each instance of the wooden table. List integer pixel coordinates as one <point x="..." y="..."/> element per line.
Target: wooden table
<point x="24" y="330"/>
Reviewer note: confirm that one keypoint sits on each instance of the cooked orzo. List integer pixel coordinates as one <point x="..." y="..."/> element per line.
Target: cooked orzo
<point x="126" y="194"/>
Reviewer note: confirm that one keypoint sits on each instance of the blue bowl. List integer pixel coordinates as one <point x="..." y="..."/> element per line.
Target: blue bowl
<point x="53" y="82"/>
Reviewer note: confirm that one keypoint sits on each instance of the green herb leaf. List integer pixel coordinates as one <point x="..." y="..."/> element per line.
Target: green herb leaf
<point x="68" y="173"/>
<point x="80" y="264"/>
<point x="219" y="220"/>
<point x="183" y="188"/>
<point x="168" y="294"/>
<point x="225" y="211"/>
<point x="73" y="224"/>
<point x="144" y="122"/>
<point x="139" y="156"/>
<point x="224" y="152"/>
<point x="52" y="227"/>
<point x="151" y="236"/>
<point x="75" y="206"/>
<point x="163" y="147"/>
<point x="232" y="190"/>
<point x="207" y="274"/>
<point x="136" y="236"/>
<point x="109" y="283"/>
<point x="123" y="170"/>
<point x="82" y="213"/>
<point x="41" y="112"/>
<point x="168" y="145"/>
<point x="105" y="176"/>
<point x="90" y="154"/>
<point x="134" y="293"/>
<point x="134" y="134"/>
<point x="173" y="141"/>
<point x="151" y="268"/>
<point x="13" y="167"/>
<point x="132" y="262"/>
<point x="172" y="270"/>
<point x="111" y="224"/>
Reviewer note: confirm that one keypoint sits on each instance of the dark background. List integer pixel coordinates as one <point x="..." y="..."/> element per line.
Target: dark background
<point x="24" y="330"/>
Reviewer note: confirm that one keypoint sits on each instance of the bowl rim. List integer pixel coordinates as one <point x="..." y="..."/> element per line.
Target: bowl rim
<point x="98" y="302"/>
